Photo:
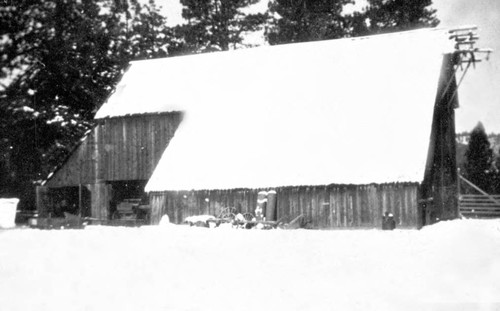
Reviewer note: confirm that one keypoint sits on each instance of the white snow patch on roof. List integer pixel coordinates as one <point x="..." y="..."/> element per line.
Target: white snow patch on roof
<point x="186" y="82"/>
<point x="350" y="111"/>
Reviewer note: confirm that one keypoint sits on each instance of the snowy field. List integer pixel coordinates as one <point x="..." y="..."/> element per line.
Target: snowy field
<point x="449" y="266"/>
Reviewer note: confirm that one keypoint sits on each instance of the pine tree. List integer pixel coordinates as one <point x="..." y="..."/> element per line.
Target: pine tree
<point x="479" y="159"/>
<point x="496" y="167"/>
<point x="215" y="25"/>
<point x="496" y="177"/>
<point x="381" y="16"/>
<point x="306" y="20"/>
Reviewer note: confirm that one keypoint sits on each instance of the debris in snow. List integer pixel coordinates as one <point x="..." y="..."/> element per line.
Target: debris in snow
<point x="200" y="220"/>
<point x="259" y="213"/>
<point x="239" y="217"/>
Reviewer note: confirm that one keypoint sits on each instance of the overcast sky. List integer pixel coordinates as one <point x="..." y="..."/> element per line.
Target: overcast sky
<point x="479" y="94"/>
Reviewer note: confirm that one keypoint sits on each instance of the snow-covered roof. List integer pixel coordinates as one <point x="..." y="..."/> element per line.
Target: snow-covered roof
<point x="350" y="111"/>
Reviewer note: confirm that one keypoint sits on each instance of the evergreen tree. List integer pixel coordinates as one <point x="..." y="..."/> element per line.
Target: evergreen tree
<point x="495" y="185"/>
<point x="479" y="159"/>
<point x="381" y="16"/>
<point x="306" y="20"/>
<point x="215" y="25"/>
<point x="60" y="60"/>
<point x="496" y="169"/>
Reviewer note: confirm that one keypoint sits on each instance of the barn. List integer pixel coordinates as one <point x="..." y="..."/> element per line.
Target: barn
<point x="342" y="130"/>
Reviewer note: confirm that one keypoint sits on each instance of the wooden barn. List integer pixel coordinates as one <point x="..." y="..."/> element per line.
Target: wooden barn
<point x="343" y="131"/>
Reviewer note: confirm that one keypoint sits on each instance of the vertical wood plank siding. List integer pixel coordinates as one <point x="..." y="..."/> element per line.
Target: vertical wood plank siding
<point x="126" y="148"/>
<point x="333" y="206"/>
<point x="101" y="194"/>
<point x="440" y="185"/>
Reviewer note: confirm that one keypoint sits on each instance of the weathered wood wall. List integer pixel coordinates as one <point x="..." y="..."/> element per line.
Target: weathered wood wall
<point x="125" y="148"/>
<point x="117" y="149"/>
<point x="440" y="185"/>
<point x="100" y="198"/>
<point x="333" y="206"/>
<point x="77" y="200"/>
<point x="42" y="200"/>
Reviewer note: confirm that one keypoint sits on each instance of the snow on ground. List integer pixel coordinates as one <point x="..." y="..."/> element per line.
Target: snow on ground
<point x="449" y="266"/>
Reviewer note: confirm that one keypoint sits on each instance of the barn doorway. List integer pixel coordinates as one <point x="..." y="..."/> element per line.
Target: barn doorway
<point x="129" y="201"/>
<point x="72" y="200"/>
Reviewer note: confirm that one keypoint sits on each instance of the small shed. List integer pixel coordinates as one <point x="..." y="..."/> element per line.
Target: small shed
<point x="343" y="130"/>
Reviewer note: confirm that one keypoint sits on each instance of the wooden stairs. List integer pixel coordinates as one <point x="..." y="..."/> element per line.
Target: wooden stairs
<point x="479" y="205"/>
<point x="482" y="205"/>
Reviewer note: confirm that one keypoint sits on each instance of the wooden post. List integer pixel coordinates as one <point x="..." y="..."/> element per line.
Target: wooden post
<point x="271" y="206"/>
<point x="41" y="199"/>
<point x="100" y="200"/>
<point x="80" y="199"/>
<point x="261" y="204"/>
<point x="458" y="190"/>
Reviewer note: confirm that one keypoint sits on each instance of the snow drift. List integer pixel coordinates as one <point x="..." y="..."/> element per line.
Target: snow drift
<point x="452" y="265"/>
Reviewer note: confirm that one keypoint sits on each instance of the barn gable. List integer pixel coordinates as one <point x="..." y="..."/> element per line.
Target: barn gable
<point x="126" y="148"/>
